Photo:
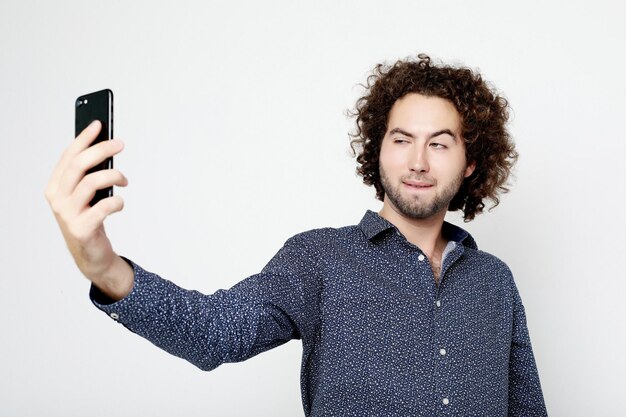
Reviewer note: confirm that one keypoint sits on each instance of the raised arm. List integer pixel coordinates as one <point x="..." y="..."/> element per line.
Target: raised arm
<point x="263" y="311"/>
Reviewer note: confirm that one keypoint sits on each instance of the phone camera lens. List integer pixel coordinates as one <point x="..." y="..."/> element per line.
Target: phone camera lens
<point x="78" y="103"/>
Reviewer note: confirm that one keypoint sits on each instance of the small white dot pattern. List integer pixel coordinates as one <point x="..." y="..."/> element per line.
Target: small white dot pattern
<point x="379" y="337"/>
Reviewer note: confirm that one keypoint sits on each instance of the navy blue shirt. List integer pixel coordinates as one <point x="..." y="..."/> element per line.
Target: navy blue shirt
<point x="379" y="336"/>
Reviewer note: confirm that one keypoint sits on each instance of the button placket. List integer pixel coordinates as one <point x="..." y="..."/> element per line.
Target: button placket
<point x="441" y="362"/>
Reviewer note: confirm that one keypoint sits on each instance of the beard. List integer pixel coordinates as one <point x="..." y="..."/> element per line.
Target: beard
<point x="417" y="206"/>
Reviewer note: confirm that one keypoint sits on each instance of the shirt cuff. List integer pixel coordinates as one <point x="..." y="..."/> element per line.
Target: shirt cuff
<point x="139" y="303"/>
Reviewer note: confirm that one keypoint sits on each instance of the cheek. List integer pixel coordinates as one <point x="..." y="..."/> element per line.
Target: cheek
<point x="448" y="164"/>
<point x="389" y="157"/>
<point x="458" y="161"/>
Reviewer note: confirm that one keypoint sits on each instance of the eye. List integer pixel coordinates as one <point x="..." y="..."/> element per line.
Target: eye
<point x="438" y="145"/>
<point x="400" y="140"/>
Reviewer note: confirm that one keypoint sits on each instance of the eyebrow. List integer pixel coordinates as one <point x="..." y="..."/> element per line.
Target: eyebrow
<point x="432" y="135"/>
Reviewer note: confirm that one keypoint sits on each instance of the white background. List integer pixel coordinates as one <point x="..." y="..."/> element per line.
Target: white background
<point x="233" y="114"/>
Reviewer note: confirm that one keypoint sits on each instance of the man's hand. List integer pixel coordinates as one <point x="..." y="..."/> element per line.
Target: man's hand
<point x="69" y="192"/>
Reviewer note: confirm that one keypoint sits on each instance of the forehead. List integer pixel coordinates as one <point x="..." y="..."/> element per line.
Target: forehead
<point x="423" y="113"/>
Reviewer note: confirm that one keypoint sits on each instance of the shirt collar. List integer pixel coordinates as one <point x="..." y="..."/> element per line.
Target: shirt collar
<point x="372" y="224"/>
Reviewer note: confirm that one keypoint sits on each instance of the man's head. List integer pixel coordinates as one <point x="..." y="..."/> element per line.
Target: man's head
<point x="455" y="125"/>
<point x="422" y="161"/>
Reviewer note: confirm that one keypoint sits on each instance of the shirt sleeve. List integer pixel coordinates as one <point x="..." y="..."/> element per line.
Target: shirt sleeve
<point x="525" y="395"/>
<point x="261" y="312"/>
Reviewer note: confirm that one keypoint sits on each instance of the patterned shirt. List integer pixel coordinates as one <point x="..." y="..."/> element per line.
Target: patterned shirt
<point x="379" y="336"/>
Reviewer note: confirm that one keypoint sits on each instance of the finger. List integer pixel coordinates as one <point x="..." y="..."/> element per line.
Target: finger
<point x="76" y="168"/>
<point x="93" y="218"/>
<point x="81" y="142"/>
<point x="87" y="187"/>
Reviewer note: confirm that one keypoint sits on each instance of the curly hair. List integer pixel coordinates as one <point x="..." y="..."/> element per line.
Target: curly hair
<point x="484" y="115"/>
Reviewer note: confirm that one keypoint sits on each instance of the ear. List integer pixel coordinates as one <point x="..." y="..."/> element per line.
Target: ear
<point x="470" y="169"/>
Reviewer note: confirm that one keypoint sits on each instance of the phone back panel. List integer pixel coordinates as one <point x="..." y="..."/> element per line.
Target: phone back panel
<point x="97" y="106"/>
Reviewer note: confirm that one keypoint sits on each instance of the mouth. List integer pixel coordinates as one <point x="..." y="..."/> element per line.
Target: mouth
<point x="418" y="185"/>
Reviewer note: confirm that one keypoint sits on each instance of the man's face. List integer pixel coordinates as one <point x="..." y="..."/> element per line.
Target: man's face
<point x="422" y="157"/>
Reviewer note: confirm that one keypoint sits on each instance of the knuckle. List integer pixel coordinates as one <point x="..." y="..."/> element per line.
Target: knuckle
<point x="91" y="180"/>
<point x="75" y="164"/>
<point x="68" y="151"/>
<point x="56" y="207"/>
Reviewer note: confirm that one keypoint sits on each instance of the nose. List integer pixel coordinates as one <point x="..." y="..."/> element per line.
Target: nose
<point x="418" y="161"/>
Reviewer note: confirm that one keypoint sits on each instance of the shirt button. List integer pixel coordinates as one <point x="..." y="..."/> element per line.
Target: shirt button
<point x="438" y="303"/>
<point x="445" y="401"/>
<point x="115" y="316"/>
<point x="442" y="352"/>
<point x="421" y="257"/>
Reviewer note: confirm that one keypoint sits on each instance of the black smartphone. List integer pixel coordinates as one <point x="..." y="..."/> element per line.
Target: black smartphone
<point x="97" y="106"/>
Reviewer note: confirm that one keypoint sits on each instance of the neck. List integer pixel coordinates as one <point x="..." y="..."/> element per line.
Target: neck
<point x="423" y="233"/>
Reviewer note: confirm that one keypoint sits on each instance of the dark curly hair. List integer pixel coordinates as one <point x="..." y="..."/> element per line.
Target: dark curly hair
<point x="484" y="115"/>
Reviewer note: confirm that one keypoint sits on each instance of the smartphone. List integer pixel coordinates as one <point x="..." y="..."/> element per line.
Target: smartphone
<point x="97" y="106"/>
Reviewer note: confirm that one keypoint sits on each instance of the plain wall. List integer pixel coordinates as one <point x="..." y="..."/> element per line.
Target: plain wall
<point x="233" y="114"/>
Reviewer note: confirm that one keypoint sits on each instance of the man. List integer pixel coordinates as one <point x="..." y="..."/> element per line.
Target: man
<point x="399" y="315"/>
